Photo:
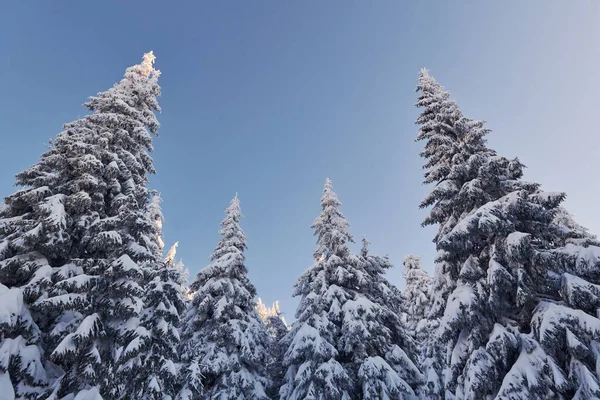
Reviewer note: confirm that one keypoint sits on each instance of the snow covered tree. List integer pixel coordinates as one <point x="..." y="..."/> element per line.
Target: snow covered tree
<point x="455" y="149"/>
<point x="521" y="288"/>
<point x="378" y="288"/>
<point x="150" y="371"/>
<point x="184" y="273"/>
<point x="389" y="300"/>
<point x="154" y="367"/>
<point x="22" y="373"/>
<point x="71" y="241"/>
<point x="276" y="329"/>
<point x="223" y="339"/>
<point x="417" y="300"/>
<point x="91" y="195"/>
<point x="340" y="346"/>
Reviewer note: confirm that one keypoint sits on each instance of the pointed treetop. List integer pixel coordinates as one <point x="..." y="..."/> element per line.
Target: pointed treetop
<point x="172" y="252"/>
<point x="147" y="65"/>
<point x="330" y="226"/>
<point x="428" y="85"/>
<point x="412" y="261"/>
<point x="265" y="311"/>
<point x="365" y="247"/>
<point x="155" y="210"/>
<point x="234" y="209"/>
<point x="233" y="237"/>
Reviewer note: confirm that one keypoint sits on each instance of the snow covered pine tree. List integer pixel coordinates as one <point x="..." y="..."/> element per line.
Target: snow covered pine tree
<point x="451" y="139"/>
<point x="149" y="363"/>
<point x="75" y="240"/>
<point x="521" y="298"/>
<point x="340" y="347"/>
<point x="391" y="330"/>
<point x="417" y="301"/>
<point x="223" y="339"/>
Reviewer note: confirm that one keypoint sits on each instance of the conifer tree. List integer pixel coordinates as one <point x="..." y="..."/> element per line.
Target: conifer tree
<point x="417" y="301"/>
<point x="276" y="329"/>
<point x="72" y="240"/>
<point x="223" y="338"/>
<point x="151" y="371"/>
<point x="340" y="347"/>
<point x="455" y="148"/>
<point x="521" y="287"/>
<point x="97" y="171"/>
<point x="398" y="349"/>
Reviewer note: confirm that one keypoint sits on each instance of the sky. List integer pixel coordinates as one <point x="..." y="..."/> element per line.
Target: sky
<point x="267" y="99"/>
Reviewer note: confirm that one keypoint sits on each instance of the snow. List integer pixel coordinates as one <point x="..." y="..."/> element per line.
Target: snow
<point x="67" y="345"/>
<point x="63" y="300"/>
<point x="77" y="282"/>
<point x="112" y="238"/>
<point x="548" y="315"/>
<point x="54" y="207"/>
<point x="89" y="327"/>
<point x="6" y="387"/>
<point x="89" y="394"/>
<point x="12" y="305"/>
<point x="528" y="365"/>
<point x="515" y="238"/>
<point x="126" y="264"/>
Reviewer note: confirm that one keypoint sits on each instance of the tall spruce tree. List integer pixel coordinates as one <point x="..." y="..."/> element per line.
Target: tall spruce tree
<point x="417" y="301"/>
<point x="340" y="346"/>
<point x="224" y="341"/>
<point x="72" y="242"/>
<point x="96" y="175"/>
<point x="521" y="288"/>
<point x="455" y="148"/>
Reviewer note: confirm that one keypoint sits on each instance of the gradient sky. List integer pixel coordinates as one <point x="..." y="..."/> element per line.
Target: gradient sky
<point x="268" y="98"/>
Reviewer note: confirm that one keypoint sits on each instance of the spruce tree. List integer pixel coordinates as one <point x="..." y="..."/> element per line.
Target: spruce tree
<point x="224" y="341"/>
<point x="97" y="170"/>
<point x="398" y="349"/>
<point x="455" y="148"/>
<point x="340" y="346"/>
<point x="379" y="288"/>
<point x="524" y="288"/>
<point x="417" y="301"/>
<point x="150" y="372"/>
<point x="276" y="329"/>
<point x="72" y="239"/>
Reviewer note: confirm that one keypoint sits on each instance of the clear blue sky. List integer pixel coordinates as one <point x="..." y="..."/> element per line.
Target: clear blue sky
<point x="268" y="98"/>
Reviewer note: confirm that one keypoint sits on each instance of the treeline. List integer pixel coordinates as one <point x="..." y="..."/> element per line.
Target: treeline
<point x="91" y="309"/>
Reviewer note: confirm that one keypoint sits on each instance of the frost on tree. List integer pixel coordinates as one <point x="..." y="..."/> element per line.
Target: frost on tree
<point x="149" y="363"/>
<point x="417" y="301"/>
<point x="522" y="318"/>
<point x="184" y="273"/>
<point x="224" y="341"/>
<point x="341" y="346"/>
<point x="76" y="238"/>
